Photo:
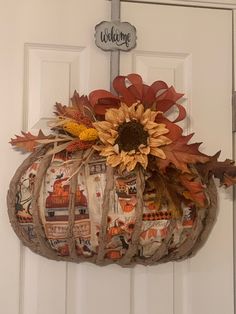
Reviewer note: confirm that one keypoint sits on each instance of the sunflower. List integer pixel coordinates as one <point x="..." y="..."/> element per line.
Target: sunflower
<point x="129" y="134"/>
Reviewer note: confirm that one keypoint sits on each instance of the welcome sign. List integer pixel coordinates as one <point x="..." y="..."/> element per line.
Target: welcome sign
<point x="112" y="36"/>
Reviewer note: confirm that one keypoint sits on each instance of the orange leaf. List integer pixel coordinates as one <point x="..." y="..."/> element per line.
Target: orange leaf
<point x="28" y="141"/>
<point x="180" y="154"/>
<point x="194" y="189"/>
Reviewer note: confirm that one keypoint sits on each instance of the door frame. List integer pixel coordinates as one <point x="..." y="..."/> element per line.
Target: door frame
<point x="229" y="4"/>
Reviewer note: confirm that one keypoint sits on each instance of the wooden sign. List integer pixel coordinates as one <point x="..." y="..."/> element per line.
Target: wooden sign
<point x="116" y="35"/>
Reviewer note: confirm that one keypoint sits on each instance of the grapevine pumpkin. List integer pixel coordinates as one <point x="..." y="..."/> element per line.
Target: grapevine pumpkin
<point x="116" y="181"/>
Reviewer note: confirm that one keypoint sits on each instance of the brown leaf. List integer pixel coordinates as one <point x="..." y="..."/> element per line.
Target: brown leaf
<point x="28" y="142"/>
<point x="228" y="180"/>
<point x="225" y="171"/>
<point x="180" y="154"/>
<point x="79" y="110"/>
<point x="82" y="104"/>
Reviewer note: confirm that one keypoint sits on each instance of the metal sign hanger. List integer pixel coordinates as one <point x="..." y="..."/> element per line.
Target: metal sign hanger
<point x="115" y="36"/>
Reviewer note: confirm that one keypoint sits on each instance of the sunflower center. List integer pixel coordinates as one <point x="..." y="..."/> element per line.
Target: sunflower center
<point x="131" y="136"/>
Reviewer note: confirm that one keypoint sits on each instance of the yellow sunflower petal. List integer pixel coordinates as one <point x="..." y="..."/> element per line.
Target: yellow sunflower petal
<point x="123" y="153"/>
<point x="153" y="115"/>
<point x="144" y="149"/>
<point x="131" y="165"/>
<point x="113" y="132"/>
<point x="107" y="151"/>
<point x="122" y="167"/>
<point x="142" y="159"/>
<point x="144" y="122"/>
<point x="139" y="112"/>
<point x="157" y="152"/>
<point x="111" y="140"/>
<point x="98" y="147"/>
<point x="161" y="128"/>
<point x="111" y="115"/>
<point x="116" y="148"/>
<point x="132" y="111"/>
<point x="150" y="125"/>
<point x="125" y="109"/>
<point x="146" y="116"/>
<point x="127" y="159"/>
<point x="158" y="131"/>
<point x="114" y="160"/>
<point x="104" y="137"/>
<point x="159" y="141"/>
<point x="103" y="126"/>
<point x="165" y="139"/>
<point x="131" y="152"/>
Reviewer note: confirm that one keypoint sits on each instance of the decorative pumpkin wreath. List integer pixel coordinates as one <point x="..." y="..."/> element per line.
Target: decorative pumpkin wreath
<point x="116" y="181"/>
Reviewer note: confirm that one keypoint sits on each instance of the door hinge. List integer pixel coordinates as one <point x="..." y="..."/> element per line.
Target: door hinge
<point x="234" y="111"/>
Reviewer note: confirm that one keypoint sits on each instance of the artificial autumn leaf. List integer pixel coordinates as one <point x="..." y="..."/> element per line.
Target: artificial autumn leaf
<point x="225" y="171"/>
<point x="82" y="104"/>
<point x="80" y="110"/>
<point x="180" y="154"/>
<point x="28" y="142"/>
<point x="194" y="189"/>
<point x="228" y="180"/>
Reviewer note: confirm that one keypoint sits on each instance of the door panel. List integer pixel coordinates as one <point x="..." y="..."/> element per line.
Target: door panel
<point x="191" y="49"/>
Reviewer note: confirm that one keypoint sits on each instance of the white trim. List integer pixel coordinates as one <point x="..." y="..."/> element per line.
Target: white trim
<point x="197" y="3"/>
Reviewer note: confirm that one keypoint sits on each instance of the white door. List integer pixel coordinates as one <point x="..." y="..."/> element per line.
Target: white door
<point x="47" y="50"/>
<point x="190" y="48"/>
